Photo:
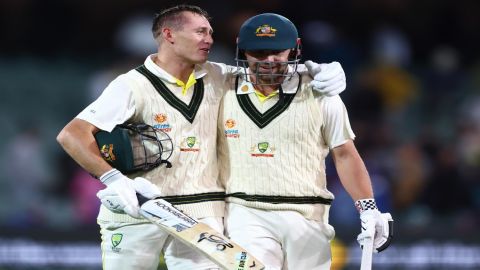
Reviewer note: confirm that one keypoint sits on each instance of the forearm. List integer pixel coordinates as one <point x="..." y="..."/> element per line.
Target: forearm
<point x="352" y="172"/>
<point x="78" y="141"/>
<point x="356" y="181"/>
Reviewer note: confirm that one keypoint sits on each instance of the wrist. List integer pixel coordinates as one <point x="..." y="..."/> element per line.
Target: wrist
<point x="111" y="176"/>
<point x="363" y="205"/>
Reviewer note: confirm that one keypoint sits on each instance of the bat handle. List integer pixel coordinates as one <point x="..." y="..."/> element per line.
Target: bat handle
<point x="141" y="199"/>
<point x="367" y="252"/>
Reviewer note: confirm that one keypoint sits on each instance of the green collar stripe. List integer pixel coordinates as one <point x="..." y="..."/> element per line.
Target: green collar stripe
<point x="190" y="110"/>
<point x="281" y="199"/>
<point x="262" y="120"/>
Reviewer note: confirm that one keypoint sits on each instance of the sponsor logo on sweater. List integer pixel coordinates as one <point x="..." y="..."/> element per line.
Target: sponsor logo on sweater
<point x="161" y="122"/>
<point x="230" y="130"/>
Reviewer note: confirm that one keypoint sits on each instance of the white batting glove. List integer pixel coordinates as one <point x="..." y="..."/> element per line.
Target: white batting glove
<point x="120" y="194"/>
<point x="328" y="79"/>
<point x="376" y="225"/>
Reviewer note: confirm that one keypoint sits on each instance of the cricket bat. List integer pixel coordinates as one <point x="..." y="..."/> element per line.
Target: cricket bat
<point x="216" y="246"/>
<point x="367" y="250"/>
<point x="367" y="253"/>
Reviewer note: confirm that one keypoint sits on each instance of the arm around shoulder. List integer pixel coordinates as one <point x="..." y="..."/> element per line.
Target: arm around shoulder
<point x="328" y="79"/>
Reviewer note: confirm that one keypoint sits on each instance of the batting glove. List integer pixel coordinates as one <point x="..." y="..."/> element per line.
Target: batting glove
<point x="376" y="225"/>
<point x="120" y="194"/>
<point x="328" y="79"/>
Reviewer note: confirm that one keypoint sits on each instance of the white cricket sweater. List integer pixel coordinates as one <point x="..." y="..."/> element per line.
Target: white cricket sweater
<point x="272" y="156"/>
<point x="192" y="183"/>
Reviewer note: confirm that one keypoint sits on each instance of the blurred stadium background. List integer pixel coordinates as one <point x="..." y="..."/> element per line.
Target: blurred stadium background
<point x="413" y="80"/>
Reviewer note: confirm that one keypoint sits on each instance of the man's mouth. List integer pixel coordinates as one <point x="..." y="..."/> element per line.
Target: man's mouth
<point x="266" y="70"/>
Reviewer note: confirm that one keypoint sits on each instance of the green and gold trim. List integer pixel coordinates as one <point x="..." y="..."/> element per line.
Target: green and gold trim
<point x="262" y="120"/>
<point x="190" y="110"/>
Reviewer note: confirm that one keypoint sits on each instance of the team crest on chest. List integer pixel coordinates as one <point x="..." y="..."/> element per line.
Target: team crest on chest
<point x="190" y="144"/>
<point x="116" y="240"/>
<point x="262" y="149"/>
<point x="230" y="130"/>
<point x="161" y="122"/>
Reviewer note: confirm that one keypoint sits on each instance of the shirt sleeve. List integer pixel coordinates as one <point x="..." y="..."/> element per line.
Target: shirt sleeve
<point x="336" y="129"/>
<point x="221" y="74"/>
<point x="114" y="106"/>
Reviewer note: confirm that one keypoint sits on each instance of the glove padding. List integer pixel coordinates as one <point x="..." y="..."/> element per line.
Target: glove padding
<point x="328" y="79"/>
<point x="377" y="225"/>
<point x="120" y="195"/>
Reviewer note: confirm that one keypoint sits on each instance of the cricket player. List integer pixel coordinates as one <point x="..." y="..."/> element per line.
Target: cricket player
<point x="176" y="91"/>
<point x="275" y="133"/>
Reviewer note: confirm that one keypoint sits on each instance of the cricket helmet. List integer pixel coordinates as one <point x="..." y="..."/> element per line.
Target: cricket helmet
<point x="268" y="31"/>
<point x="135" y="147"/>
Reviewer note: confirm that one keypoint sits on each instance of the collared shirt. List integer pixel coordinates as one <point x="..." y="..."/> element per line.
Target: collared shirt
<point x="190" y="121"/>
<point x="117" y="105"/>
<point x="185" y="86"/>
<point x="334" y="134"/>
<point x="179" y="88"/>
<point x="280" y="147"/>
<point x="262" y="98"/>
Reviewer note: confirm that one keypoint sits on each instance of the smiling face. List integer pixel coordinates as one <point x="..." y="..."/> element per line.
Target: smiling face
<point x="268" y="66"/>
<point x="193" y="40"/>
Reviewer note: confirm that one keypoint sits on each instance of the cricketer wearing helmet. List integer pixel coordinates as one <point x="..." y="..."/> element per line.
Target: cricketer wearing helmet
<point x="275" y="135"/>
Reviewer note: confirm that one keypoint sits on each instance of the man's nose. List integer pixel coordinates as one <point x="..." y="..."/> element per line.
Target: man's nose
<point x="270" y="58"/>
<point x="209" y="39"/>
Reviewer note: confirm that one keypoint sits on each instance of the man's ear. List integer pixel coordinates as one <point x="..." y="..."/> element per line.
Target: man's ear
<point x="296" y="53"/>
<point x="168" y="35"/>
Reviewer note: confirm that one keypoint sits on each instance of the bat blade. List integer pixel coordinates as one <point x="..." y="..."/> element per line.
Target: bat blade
<point x="199" y="236"/>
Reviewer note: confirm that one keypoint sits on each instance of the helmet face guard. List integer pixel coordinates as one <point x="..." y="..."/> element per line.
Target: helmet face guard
<point x="135" y="147"/>
<point x="251" y="68"/>
<point x="270" y="32"/>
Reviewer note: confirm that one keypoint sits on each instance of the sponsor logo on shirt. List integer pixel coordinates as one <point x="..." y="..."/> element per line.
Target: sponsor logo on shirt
<point x="190" y="144"/>
<point x="262" y="149"/>
<point x="230" y="131"/>
<point x="161" y="122"/>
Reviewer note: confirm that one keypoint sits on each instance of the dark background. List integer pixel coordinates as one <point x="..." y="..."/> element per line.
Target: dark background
<point x="413" y="84"/>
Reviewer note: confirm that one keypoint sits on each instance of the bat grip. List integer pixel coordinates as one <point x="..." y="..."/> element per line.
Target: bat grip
<point x="141" y="199"/>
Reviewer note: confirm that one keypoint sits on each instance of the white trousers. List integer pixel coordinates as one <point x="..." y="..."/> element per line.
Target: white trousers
<point x="138" y="246"/>
<point x="281" y="240"/>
